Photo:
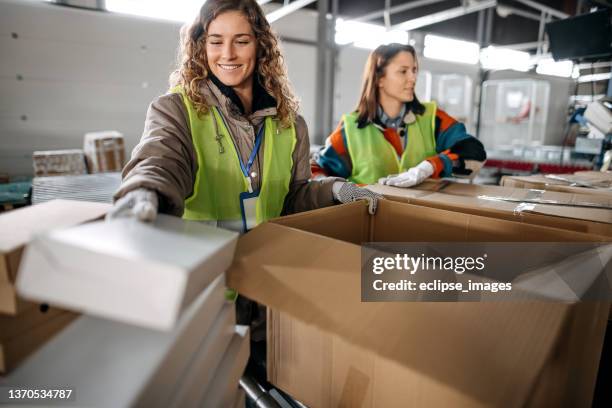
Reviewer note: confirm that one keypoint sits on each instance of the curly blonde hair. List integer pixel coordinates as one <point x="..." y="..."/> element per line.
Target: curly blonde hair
<point x="270" y="66"/>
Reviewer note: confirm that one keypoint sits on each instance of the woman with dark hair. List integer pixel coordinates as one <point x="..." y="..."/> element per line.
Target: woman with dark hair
<point x="226" y="145"/>
<point x="392" y="138"/>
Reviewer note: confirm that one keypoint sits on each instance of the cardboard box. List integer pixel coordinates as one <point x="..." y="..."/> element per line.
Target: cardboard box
<point x="134" y="272"/>
<point x="335" y="350"/>
<point x="21" y="335"/>
<point x="58" y="162"/>
<point x="222" y="391"/>
<point x="575" y="212"/>
<point x="596" y="178"/>
<point x="20" y="226"/>
<point x="543" y="183"/>
<point x="105" y="151"/>
<point x="111" y="364"/>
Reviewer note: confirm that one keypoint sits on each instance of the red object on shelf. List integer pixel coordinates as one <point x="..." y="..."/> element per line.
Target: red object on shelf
<point x="557" y="169"/>
<point x="533" y="167"/>
<point x="510" y="164"/>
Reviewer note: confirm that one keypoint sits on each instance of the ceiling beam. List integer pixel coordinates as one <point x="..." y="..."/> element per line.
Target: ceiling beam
<point x="520" y="46"/>
<point x="288" y="9"/>
<point x="548" y="10"/>
<point x="395" y="9"/>
<point x="505" y="11"/>
<point x="444" y="15"/>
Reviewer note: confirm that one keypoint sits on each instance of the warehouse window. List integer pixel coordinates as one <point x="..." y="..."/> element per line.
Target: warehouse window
<point x="449" y="49"/>
<point x="181" y="10"/>
<point x="365" y="35"/>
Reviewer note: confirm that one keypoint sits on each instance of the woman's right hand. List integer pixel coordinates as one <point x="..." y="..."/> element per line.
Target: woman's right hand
<point x="141" y="204"/>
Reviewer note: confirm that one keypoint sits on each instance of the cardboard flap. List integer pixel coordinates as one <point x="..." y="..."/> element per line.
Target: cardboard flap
<point x="19" y="227"/>
<point x="347" y="222"/>
<point x="24" y="223"/>
<point x="492" y="352"/>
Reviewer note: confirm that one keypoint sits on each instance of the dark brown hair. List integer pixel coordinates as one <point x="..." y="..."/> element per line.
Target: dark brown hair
<point x="374" y="70"/>
<point x="270" y="66"/>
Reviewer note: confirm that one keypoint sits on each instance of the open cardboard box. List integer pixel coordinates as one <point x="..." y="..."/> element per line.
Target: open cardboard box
<point x="327" y="348"/>
<point x="576" y="212"/>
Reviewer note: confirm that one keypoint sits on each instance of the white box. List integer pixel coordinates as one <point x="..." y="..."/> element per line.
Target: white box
<point x="222" y="391"/>
<point x="240" y="399"/>
<point x="112" y="364"/>
<point x="204" y="365"/>
<point x="127" y="270"/>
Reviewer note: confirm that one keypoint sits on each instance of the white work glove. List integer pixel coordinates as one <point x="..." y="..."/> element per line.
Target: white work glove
<point x="348" y="192"/>
<point x="140" y="204"/>
<point x="415" y="175"/>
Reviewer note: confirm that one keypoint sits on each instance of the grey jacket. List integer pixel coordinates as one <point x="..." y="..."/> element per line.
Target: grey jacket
<point x="165" y="159"/>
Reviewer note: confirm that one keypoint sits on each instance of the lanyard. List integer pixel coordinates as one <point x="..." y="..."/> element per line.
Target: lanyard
<point x="246" y="169"/>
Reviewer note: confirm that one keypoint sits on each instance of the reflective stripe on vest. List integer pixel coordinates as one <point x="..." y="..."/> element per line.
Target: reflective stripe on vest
<point x="373" y="157"/>
<point x="219" y="179"/>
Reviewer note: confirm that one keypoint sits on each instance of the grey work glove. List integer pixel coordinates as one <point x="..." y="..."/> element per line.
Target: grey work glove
<point x="348" y="192"/>
<point x="140" y="204"/>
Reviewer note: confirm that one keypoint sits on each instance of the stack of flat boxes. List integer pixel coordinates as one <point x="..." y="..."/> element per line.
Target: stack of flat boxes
<point x="156" y="328"/>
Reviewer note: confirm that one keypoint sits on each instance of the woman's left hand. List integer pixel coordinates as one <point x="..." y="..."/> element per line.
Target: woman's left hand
<point x="412" y="177"/>
<point x="346" y="192"/>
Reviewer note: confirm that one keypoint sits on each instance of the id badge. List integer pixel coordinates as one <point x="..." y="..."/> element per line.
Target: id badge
<point x="248" y="210"/>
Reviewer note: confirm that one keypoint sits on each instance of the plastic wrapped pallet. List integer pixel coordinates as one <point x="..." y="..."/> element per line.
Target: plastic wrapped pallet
<point x="58" y="162"/>
<point x="105" y="151"/>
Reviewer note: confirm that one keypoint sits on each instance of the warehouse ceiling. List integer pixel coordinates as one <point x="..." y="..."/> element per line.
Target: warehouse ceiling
<point x="507" y="29"/>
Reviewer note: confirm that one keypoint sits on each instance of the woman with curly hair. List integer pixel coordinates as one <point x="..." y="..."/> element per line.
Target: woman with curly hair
<point x="226" y="145"/>
<point x="391" y="137"/>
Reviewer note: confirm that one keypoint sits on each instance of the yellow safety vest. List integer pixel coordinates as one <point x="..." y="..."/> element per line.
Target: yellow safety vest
<point x="373" y="157"/>
<point x="220" y="179"/>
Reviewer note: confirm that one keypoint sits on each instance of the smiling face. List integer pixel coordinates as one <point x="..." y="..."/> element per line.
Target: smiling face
<point x="231" y="49"/>
<point x="399" y="78"/>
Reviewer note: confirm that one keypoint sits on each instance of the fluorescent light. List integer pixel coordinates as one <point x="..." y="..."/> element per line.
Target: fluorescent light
<point x="595" y="77"/>
<point x="366" y="35"/>
<point x="181" y="10"/>
<point x="448" y="49"/>
<point x="504" y="58"/>
<point x="549" y="66"/>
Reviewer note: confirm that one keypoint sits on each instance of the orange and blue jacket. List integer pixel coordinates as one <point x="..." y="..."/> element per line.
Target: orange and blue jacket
<point x="453" y="146"/>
